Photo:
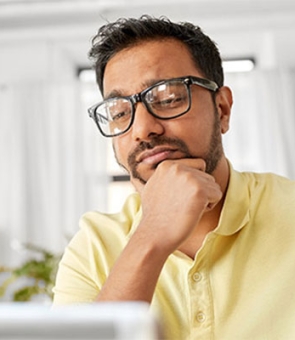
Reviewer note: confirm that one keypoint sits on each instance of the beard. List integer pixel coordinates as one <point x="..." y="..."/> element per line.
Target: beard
<point x="211" y="157"/>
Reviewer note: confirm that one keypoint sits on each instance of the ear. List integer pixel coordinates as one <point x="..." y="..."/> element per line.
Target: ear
<point x="224" y="102"/>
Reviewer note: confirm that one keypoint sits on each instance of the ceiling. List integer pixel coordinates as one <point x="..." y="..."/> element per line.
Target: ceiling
<point x="33" y="13"/>
<point x="235" y="24"/>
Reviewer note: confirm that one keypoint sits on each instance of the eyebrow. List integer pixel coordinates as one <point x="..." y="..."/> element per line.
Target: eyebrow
<point x="120" y="93"/>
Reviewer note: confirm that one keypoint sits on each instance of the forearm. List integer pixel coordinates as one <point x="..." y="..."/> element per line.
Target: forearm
<point x="136" y="272"/>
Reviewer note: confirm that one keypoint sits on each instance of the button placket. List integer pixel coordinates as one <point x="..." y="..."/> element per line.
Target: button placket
<point x="197" y="277"/>
<point x="201" y="303"/>
<point x="201" y="317"/>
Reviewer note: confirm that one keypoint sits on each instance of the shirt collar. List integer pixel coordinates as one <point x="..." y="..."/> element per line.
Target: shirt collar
<point x="235" y="211"/>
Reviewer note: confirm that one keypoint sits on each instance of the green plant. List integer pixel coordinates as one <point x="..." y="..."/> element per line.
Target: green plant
<point x="41" y="272"/>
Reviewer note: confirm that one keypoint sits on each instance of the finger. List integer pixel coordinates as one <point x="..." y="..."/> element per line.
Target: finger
<point x="196" y="163"/>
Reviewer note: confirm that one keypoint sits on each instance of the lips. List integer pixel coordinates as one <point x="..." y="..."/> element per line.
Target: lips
<point x="157" y="155"/>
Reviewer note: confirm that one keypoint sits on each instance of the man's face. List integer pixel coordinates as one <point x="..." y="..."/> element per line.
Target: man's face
<point x="150" y="140"/>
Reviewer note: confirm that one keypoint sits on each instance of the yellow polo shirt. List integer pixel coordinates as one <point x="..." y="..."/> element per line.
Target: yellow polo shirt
<point x="241" y="284"/>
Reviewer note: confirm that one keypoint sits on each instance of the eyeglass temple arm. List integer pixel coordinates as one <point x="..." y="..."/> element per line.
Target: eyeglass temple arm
<point x="208" y="84"/>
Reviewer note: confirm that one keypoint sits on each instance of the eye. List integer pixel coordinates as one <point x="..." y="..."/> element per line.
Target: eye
<point x="118" y="110"/>
<point x="169" y="95"/>
<point x="121" y="116"/>
<point x="171" y="100"/>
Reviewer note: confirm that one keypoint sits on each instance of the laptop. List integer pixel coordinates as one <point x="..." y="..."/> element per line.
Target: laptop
<point x="104" y="320"/>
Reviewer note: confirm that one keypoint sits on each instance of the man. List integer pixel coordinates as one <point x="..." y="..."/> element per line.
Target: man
<point x="212" y="249"/>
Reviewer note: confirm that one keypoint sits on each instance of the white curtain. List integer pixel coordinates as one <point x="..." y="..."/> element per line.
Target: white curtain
<point x="47" y="166"/>
<point x="262" y="136"/>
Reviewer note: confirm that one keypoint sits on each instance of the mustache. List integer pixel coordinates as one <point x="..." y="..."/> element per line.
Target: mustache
<point x="156" y="141"/>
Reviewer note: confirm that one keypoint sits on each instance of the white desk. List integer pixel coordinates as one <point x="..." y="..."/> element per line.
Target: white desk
<point x="107" y="321"/>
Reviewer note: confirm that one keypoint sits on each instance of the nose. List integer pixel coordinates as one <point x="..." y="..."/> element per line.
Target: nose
<point x="145" y="125"/>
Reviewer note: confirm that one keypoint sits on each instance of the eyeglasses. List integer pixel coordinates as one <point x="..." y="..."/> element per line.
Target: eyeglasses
<point x="166" y="99"/>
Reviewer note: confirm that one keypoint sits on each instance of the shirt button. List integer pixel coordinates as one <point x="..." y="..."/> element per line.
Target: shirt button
<point x="201" y="317"/>
<point x="197" y="277"/>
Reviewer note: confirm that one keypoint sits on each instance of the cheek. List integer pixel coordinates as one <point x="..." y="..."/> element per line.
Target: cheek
<point x="192" y="128"/>
<point x="120" y="151"/>
<point x="196" y="132"/>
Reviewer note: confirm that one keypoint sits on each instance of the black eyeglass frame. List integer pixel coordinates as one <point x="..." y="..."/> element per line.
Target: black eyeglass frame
<point x="140" y="98"/>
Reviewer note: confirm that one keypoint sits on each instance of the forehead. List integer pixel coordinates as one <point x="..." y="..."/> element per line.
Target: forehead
<point x="136" y="67"/>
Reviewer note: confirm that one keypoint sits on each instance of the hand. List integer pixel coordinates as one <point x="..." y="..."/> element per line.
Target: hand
<point x="174" y="199"/>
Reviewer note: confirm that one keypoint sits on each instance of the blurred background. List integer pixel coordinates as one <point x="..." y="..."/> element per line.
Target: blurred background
<point x="54" y="165"/>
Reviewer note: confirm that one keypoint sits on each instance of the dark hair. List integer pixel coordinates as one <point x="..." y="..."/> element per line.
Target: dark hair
<point x="114" y="37"/>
